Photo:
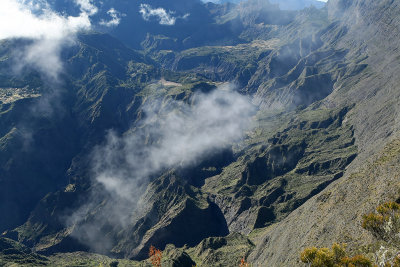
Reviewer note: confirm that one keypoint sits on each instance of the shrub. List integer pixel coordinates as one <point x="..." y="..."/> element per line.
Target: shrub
<point x="384" y="224"/>
<point x="155" y="256"/>
<point x="356" y="261"/>
<point x="335" y="257"/>
<point x="243" y="263"/>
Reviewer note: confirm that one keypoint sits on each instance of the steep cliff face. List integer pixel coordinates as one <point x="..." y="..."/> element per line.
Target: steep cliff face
<point x="46" y="125"/>
<point x="335" y="214"/>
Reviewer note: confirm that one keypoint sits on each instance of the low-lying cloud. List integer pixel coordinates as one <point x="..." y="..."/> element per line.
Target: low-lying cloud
<point x="164" y="17"/>
<point x="178" y="135"/>
<point x="179" y="138"/>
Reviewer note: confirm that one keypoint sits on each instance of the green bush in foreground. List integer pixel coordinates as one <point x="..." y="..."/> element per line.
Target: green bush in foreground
<point x="384" y="224"/>
<point x="335" y="257"/>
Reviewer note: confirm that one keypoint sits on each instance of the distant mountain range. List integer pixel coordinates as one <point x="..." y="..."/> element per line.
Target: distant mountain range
<point x="297" y="4"/>
<point x="283" y="4"/>
<point x="185" y="20"/>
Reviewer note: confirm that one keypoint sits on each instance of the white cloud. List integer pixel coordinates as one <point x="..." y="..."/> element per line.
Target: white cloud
<point x="211" y="122"/>
<point x="49" y="31"/>
<point x="173" y="134"/>
<point x="87" y="6"/>
<point x="17" y="20"/>
<point x="115" y="18"/>
<point x="164" y="17"/>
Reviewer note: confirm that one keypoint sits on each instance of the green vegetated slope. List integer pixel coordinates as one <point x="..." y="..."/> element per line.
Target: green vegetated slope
<point x="326" y="86"/>
<point x="335" y="214"/>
